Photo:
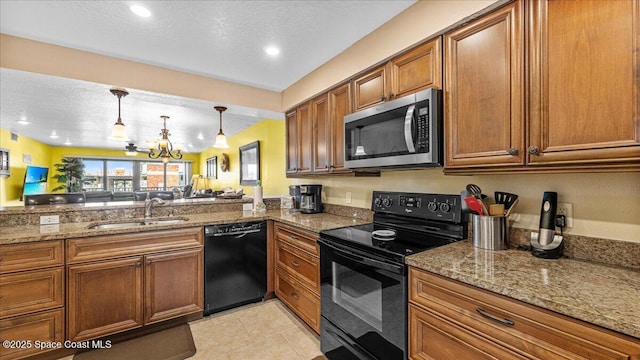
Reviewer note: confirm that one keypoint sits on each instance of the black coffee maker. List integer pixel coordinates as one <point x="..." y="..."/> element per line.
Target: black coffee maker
<point x="311" y="199"/>
<point x="294" y="191"/>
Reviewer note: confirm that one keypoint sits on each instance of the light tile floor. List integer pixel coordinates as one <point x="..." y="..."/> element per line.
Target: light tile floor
<point x="262" y="331"/>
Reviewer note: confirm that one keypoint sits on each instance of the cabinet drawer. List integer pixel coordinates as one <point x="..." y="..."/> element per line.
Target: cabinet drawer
<point x="303" y="302"/>
<point x="112" y="246"/>
<point x="304" y="240"/>
<point x="535" y="332"/>
<point x="30" y="291"/>
<point x="45" y="326"/>
<point x="27" y="256"/>
<point x="300" y="265"/>
<point x="436" y="338"/>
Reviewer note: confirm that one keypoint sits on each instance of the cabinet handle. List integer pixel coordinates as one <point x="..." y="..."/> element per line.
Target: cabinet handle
<point x="383" y="98"/>
<point x="138" y="264"/>
<point x="295" y="296"/>
<point x="390" y="96"/>
<point x="294" y="263"/>
<point x="148" y="262"/>
<point x="495" y="318"/>
<point x="513" y="151"/>
<point x="533" y="150"/>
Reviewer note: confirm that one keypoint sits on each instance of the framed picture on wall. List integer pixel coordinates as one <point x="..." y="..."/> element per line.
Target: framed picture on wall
<point x="212" y="167"/>
<point x="250" y="163"/>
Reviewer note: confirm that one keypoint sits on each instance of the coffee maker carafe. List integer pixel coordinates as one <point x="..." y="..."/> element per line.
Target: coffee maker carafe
<point x="294" y="192"/>
<point x="311" y="199"/>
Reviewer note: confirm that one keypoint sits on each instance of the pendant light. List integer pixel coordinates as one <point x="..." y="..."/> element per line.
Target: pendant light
<point x="221" y="140"/>
<point x="360" y="149"/>
<point x="119" y="132"/>
<point x="164" y="145"/>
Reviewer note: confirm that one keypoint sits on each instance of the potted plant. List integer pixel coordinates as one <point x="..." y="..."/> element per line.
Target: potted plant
<point x="71" y="173"/>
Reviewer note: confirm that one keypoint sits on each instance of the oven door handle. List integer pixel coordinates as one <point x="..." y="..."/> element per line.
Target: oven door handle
<point x="352" y="347"/>
<point x="408" y="129"/>
<point x="396" y="269"/>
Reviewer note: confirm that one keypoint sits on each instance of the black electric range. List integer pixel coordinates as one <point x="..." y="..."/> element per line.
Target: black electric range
<point x="363" y="278"/>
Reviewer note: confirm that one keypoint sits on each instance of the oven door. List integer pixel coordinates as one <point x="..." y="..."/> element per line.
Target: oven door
<point x="363" y="304"/>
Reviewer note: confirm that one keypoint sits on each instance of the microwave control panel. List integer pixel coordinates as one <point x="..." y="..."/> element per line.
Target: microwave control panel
<point x="442" y="207"/>
<point x="422" y="129"/>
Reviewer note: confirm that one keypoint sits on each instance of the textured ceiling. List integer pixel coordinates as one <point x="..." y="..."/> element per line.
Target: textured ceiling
<point x="218" y="39"/>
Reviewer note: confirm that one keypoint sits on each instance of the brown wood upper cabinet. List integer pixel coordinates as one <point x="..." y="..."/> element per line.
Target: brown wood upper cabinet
<point x="415" y="70"/>
<point x="299" y="136"/>
<point x="583" y="77"/>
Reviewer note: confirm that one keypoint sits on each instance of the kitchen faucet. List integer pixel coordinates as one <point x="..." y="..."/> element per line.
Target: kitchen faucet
<point x="148" y="203"/>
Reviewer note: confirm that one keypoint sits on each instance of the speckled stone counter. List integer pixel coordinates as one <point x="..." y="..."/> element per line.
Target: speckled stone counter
<point x="311" y="222"/>
<point x="599" y="294"/>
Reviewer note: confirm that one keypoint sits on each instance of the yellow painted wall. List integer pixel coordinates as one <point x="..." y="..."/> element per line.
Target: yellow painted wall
<point x="11" y="187"/>
<point x="271" y="134"/>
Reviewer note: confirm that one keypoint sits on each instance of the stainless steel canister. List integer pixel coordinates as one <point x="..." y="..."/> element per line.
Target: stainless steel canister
<point x="490" y="232"/>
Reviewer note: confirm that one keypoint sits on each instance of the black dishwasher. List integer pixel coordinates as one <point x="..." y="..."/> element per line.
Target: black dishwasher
<point x="235" y="270"/>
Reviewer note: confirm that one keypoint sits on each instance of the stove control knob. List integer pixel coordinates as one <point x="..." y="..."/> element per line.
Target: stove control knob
<point x="377" y="202"/>
<point x="444" y="207"/>
<point x="386" y="202"/>
<point x="432" y="206"/>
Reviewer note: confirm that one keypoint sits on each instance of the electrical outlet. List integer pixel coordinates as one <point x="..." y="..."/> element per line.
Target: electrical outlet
<point x="347" y="199"/>
<point x="49" y="219"/>
<point x="566" y="209"/>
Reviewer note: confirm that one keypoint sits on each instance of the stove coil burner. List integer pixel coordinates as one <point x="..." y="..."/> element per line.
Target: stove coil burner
<point x="384" y="235"/>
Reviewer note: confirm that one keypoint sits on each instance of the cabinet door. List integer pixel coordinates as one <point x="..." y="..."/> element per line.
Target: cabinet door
<point x="292" y="142"/>
<point x="174" y="285"/>
<point x="339" y="105"/>
<point x="371" y="88"/>
<point x="484" y="112"/>
<point x="585" y="82"/>
<point x="417" y="69"/>
<point x="47" y="326"/>
<point x="305" y="138"/>
<point x="104" y="298"/>
<point x="321" y="134"/>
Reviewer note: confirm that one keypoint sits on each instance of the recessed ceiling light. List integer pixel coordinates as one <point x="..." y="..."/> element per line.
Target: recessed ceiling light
<point x="140" y="11"/>
<point x="23" y="122"/>
<point x="54" y="135"/>
<point x="68" y="142"/>
<point x="190" y="145"/>
<point x="200" y="137"/>
<point x="272" y="50"/>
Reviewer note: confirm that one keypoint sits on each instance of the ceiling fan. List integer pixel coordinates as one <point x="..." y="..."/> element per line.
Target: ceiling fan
<point x="132" y="150"/>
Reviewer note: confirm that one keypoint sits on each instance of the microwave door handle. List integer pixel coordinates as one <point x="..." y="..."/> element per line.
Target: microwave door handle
<point x="408" y="122"/>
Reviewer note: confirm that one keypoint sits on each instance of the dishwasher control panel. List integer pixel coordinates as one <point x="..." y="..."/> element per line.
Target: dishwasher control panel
<point x="235" y="228"/>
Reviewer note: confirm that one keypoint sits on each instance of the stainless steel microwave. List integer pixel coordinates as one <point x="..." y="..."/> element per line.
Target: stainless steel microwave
<point x="405" y="132"/>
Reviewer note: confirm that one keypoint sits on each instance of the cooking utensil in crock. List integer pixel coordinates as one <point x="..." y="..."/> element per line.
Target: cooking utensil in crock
<point x="476" y="192"/>
<point x="474" y="204"/>
<point x="511" y="207"/>
<point x="505" y="198"/>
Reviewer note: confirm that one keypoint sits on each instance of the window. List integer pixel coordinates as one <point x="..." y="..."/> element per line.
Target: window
<point x="134" y="175"/>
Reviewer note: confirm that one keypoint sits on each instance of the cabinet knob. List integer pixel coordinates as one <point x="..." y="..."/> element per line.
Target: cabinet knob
<point x="533" y="150"/>
<point x="0" y="259"/>
<point x="513" y="151"/>
<point x="383" y="98"/>
<point x="138" y="264"/>
<point x="148" y="262"/>
<point x="294" y="263"/>
<point x="390" y="96"/>
<point x="295" y="296"/>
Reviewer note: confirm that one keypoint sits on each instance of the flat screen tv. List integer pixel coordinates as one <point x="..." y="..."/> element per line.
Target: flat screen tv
<point x="35" y="180"/>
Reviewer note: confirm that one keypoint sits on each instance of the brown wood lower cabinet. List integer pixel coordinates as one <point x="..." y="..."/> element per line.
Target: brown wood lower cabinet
<point x="297" y="272"/>
<point x="110" y="294"/>
<point x="449" y="320"/>
<point x="31" y="297"/>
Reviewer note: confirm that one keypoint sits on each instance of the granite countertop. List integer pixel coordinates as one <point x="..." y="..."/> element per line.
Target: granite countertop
<point x="599" y="294"/>
<point x="311" y="222"/>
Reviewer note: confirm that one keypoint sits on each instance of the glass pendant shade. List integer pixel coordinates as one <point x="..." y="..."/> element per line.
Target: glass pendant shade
<point x="221" y="140"/>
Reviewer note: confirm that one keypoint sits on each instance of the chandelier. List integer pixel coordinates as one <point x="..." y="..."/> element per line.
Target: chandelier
<point x="119" y="132"/>
<point x="221" y="140"/>
<point x="163" y="146"/>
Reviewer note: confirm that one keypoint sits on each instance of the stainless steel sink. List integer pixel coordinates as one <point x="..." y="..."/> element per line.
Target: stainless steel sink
<point x="137" y="223"/>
